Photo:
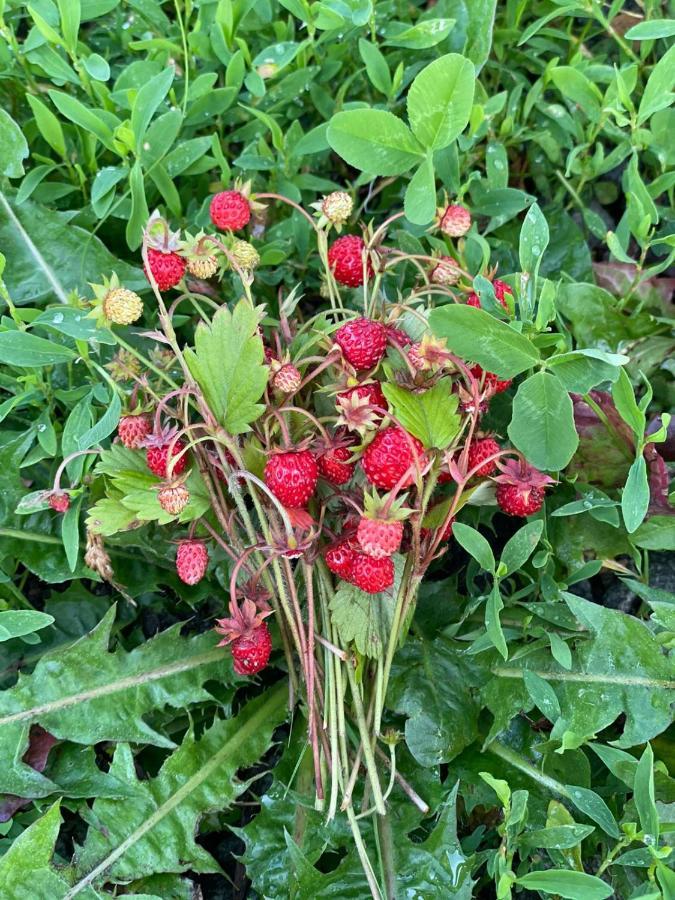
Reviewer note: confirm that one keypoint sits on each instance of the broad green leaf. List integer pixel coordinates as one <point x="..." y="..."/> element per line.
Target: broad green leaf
<point x="70" y="14"/>
<point x="25" y="867"/>
<point x="74" y="323"/>
<point x="425" y="34"/>
<point x="70" y="533"/>
<point x="88" y="119"/>
<point x="648" y="31"/>
<point x="20" y="348"/>
<point x="493" y="625"/>
<point x="474" y="31"/>
<point x="477" y="336"/>
<point x="363" y="620"/>
<point x="228" y="365"/>
<point x="577" y="88"/>
<point x="14" y="146"/>
<point x="594" y="807"/>
<point x="581" y="370"/>
<point x="475" y="544"/>
<point x="635" y="495"/>
<point x="376" y="66"/>
<point x="431" y="416"/>
<point x="542" y="426"/>
<point x="643" y="795"/>
<point x="520" y="546"/>
<point x="146" y="103"/>
<point x="374" y="141"/>
<point x="440" y="100"/>
<point x="658" y="92"/>
<point x="566" y="883"/>
<point x="51" y="256"/>
<point x="657" y="533"/>
<point x="48" y="125"/>
<point x="86" y="694"/>
<point x="556" y="837"/>
<point x="14" y="623"/>
<point x="431" y="685"/>
<point x="97" y="67"/>
<point x="78" y="422"/>
<point x="420" y="195"/>
<point x="156" y="830"/>
<point x="542" y="694"/>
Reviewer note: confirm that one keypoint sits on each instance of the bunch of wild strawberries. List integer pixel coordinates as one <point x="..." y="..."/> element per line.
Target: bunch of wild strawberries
<point x="350" y="486"/>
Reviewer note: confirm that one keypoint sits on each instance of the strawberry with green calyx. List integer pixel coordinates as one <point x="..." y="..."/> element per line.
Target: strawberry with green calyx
<point x="380" y="528"/>
<point x="166" y="264"/>
<point x="248" y="636"/>
<point x="284" y="376"/>
<point x="244" y="255"/>
<point x="114" y="304"/>
<point x="201" y="255"/>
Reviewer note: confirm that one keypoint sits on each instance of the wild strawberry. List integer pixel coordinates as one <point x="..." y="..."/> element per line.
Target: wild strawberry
<point x="287" y="379"/>
<point x="455" y="220"/>
<point x="398" y="336"/>
<point x="133" y="430"/>
<point x="500" y="288"/>
<point x="492" y="383"/>
<point x="520" y="488"/>
<point x="339" y="558"/>
<point x="337" y="208"/>
<point x="167" y="268"/>
<point x="416" y="360"/>
<point x="444" y="477"/>
<point x="345" y="260"/>
<point x="370" y="574"/>
<point x="59" y="501"/>
<point x="370" y="391"/>
<point x="245" y="255"/>
<point x="292" y="475"/>
<point x="480" y="450"/>
<point x="380" y="528"/>
<point x="157" y="455"/>
<point x="390" y="456"/>
<point x="247" y="633"/>
<point x="333" y="465"/>
<point x="445" y="271"/>
<point x="363" y="342"/>
<point x="202" y="265"/>
<point x="122" y="307"/>
<point x="192" y="558"/>
<point x="173" y="498"/>
<point x="230" y="211"/>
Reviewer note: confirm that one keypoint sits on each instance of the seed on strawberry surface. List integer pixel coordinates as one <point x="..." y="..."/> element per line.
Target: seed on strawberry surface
<point x="167" y="268"/>
<point x="345" y="260"/>
<point x="389" y="457"/>
<point x="287" y="379"/>
<point x="230" y="210"/>
<point x="133" y="430"/>
<point x="192" y="558"/>
<point x="363" y="342"/>
<point x="292" y="475"/>
<point x="379" y="537"/>
<point x="333" y="465"/>
<point x="252" y="651"/>
<point x="370" y="574"/>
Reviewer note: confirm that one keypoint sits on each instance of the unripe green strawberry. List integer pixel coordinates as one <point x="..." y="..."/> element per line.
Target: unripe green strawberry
<point x="337" y="207"/>
<point x="245" y="255"/>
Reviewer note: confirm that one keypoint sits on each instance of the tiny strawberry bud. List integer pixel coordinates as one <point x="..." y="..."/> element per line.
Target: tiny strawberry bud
<point x="59" y="501"/>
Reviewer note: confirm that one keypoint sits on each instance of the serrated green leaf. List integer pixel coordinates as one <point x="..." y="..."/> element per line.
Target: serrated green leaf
<point x="430" y="416"/>
<point x="364" y="619"/>
<point x="86" y="694"/>
<point x="228" y="365"/>
<point x="477" y="336"/>
<point x="156" y="831"/>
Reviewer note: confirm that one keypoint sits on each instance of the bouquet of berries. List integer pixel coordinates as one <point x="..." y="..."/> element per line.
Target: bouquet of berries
<point x="317" y="459"/>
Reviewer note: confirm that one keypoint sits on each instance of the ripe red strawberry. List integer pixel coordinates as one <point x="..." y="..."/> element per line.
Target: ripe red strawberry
<point x="520" y="488"/>
<point x="455" y="221"/>
<point x="247" y="633"/>
<point x="398" y="336"/>
<point x="230" y="211"/>
<point x="345" y="260"/>
<point x="480" y="450"/>
<point x="371" y="391"/>
<point x="492" y="382"/>
<point x="444" y="477"/>
<point x="59" y="501"/>
<point x="173" y="498"/>
<point x="389" y="456"/>
<point x="157" y="457"/>
<point x="339" y="558"/>
<point x="292" y="475"/>
<point x="167" y="268"/>
<point x="379" y="537"/>
<point x="372" y="575"/>
<point x="363" y="342"/>
<point x="333" y="465"/>
<point x="192" y="558"/>
<point x="500" y="288"/>
<point x="133" y="430"/>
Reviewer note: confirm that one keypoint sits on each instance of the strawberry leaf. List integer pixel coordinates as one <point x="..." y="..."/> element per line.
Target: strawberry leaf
<point x="431" y="416"/>
<point x="227" y="364"/>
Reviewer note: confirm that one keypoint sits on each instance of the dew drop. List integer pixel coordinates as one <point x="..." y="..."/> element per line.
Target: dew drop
<point x="57" y="318"/>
